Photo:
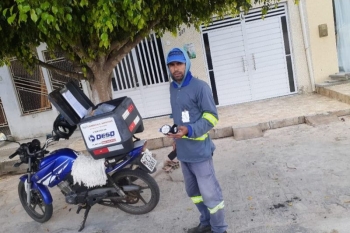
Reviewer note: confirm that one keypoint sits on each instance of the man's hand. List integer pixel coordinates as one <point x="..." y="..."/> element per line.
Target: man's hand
<point x="182" y="131"/>
<point x="174" y="145"/>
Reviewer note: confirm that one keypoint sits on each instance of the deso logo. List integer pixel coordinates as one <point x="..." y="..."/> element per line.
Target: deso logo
<point x="105" y="135"/>
<point x="92" y="138"/>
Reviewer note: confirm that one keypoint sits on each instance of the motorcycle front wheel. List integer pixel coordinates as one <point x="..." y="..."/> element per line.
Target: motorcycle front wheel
<point x="141" y="201"/>
<point x="37" y="210"/>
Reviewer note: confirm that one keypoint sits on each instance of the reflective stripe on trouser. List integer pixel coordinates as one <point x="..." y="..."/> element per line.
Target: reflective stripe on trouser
<point x="200" y="182"/>
<point x="199" y="199"/>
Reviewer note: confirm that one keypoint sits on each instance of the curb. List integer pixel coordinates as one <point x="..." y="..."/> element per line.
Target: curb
<point x="237" y="132"/>
<point x="322" y="90"/>
<point x="6" y="167"/>
<point x="251" y="130"/>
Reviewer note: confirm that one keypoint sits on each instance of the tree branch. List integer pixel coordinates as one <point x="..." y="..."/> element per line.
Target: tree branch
<point x="76" y="64"/>
<point x="78" y="48"/>
<point x="118" y="44"/>
<point x="69" y="74"/>
<point x="118" y="54"/>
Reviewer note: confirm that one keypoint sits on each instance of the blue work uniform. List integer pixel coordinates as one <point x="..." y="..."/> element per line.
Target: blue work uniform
<point x="193" y="106"/>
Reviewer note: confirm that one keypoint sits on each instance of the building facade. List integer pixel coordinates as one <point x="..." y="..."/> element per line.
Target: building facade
<point x="244" y="59"/>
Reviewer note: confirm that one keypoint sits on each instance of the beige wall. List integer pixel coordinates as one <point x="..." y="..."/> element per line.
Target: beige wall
<point x="323" y="49"/>
<point x="187" y="36"/>
<point x="300" y="67"/>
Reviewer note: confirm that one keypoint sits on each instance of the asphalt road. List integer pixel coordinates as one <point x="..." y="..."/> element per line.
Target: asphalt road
<point x="292" y="180"/>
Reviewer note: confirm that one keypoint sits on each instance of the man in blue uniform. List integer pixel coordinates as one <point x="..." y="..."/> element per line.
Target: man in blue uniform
<point x="195" y="113"/>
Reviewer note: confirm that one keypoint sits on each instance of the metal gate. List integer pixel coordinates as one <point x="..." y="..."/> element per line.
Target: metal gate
<point x="249" y="58"/>
<point x="142" y="75"/>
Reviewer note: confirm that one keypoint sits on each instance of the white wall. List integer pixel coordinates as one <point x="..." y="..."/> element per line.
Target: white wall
<point x="26" y="126"/>
<point x="22" y="126"/>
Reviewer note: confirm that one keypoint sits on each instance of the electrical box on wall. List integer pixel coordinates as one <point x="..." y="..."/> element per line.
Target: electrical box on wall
<point x="322" y="30"/>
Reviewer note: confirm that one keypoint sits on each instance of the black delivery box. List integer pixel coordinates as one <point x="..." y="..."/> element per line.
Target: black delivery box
<point x="107" y="134"/>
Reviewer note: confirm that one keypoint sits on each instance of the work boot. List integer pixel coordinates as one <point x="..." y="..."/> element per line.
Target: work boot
<point x="200" y="229"/>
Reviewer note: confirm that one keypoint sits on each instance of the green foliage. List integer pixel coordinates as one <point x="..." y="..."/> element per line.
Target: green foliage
<point x="86" y="30"/>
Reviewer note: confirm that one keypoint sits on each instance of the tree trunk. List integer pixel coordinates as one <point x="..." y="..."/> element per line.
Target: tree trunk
<point x="101" y="87"/>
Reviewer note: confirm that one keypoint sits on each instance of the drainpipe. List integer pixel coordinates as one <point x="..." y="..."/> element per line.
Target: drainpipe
<point x="306" y="45"/>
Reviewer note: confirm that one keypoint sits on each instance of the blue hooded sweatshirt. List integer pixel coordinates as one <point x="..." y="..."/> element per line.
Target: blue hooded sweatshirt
<point x="193" y="98"/>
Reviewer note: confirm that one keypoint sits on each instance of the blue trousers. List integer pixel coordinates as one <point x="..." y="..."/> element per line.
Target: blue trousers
<point x="204" y="190"/>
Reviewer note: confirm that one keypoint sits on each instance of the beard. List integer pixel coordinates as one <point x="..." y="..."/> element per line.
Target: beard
<point x="178" y="76"/>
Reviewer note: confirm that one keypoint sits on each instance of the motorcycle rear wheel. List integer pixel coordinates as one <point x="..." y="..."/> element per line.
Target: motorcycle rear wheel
<point x="38" y="210"/>
<point x="137" y="202"/>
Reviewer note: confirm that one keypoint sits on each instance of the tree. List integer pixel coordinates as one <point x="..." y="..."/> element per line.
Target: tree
<point x="95" y="35"/>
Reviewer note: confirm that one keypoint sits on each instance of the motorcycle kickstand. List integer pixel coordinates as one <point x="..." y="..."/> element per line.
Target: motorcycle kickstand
<point x="87" y="209"/>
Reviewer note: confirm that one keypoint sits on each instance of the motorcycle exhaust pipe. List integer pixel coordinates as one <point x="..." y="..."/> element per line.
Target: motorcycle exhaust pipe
<point x="131" y="187"/>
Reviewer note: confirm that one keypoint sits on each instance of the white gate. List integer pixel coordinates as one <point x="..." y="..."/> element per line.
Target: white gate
<point x="249" y="58"/>
<point x="143" y="77"/>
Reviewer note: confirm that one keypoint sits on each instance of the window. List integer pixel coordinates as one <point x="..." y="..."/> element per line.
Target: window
<point x="30" y="88"/>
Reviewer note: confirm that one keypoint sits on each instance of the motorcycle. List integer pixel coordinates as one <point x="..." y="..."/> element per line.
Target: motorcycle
<point x="129" y="186"/>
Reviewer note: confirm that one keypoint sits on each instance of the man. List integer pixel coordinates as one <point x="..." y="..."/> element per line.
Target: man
<point x="195" y="113"/>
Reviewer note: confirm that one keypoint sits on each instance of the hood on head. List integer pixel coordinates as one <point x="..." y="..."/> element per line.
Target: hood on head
<point x="175" y="55"/>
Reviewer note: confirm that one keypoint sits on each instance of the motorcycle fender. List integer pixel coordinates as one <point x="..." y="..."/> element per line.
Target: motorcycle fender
<point x="143" y="168"/>
<point x="138" y="165"/>
<point x="44" y="191"/>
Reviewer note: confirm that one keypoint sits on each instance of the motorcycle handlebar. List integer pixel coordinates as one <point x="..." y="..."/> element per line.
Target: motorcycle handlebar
<point x="25" y="147"/>
<point x="13" y="155"/>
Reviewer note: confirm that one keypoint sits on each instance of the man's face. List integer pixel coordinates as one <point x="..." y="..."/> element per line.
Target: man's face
<point x="177" y="70"/>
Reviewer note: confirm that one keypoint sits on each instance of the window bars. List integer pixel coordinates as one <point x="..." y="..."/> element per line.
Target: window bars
<point x="58" y="60"/>
<point x="4" y="127"/>
<point x="30" y="88"/>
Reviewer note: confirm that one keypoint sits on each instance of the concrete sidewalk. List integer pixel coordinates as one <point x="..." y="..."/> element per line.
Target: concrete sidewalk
<point x="242" y="121"/>
<point x="249" y="118"/>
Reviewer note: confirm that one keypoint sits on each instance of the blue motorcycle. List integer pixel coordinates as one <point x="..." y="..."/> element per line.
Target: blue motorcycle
<point x="129" y="186"/>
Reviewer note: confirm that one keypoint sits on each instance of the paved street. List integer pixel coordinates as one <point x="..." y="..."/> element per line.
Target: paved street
<point x="292" y="180"/>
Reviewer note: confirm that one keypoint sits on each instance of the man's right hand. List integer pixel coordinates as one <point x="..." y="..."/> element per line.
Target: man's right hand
<point x="174" y="145"/>
<point x="182" y="131"/>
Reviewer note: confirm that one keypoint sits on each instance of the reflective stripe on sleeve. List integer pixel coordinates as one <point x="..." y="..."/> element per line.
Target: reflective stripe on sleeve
<point x="216" y="208"/>
<point x="211" y="118"/>
<point x="201" y="138"/>
<point x="197" y="199"/>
